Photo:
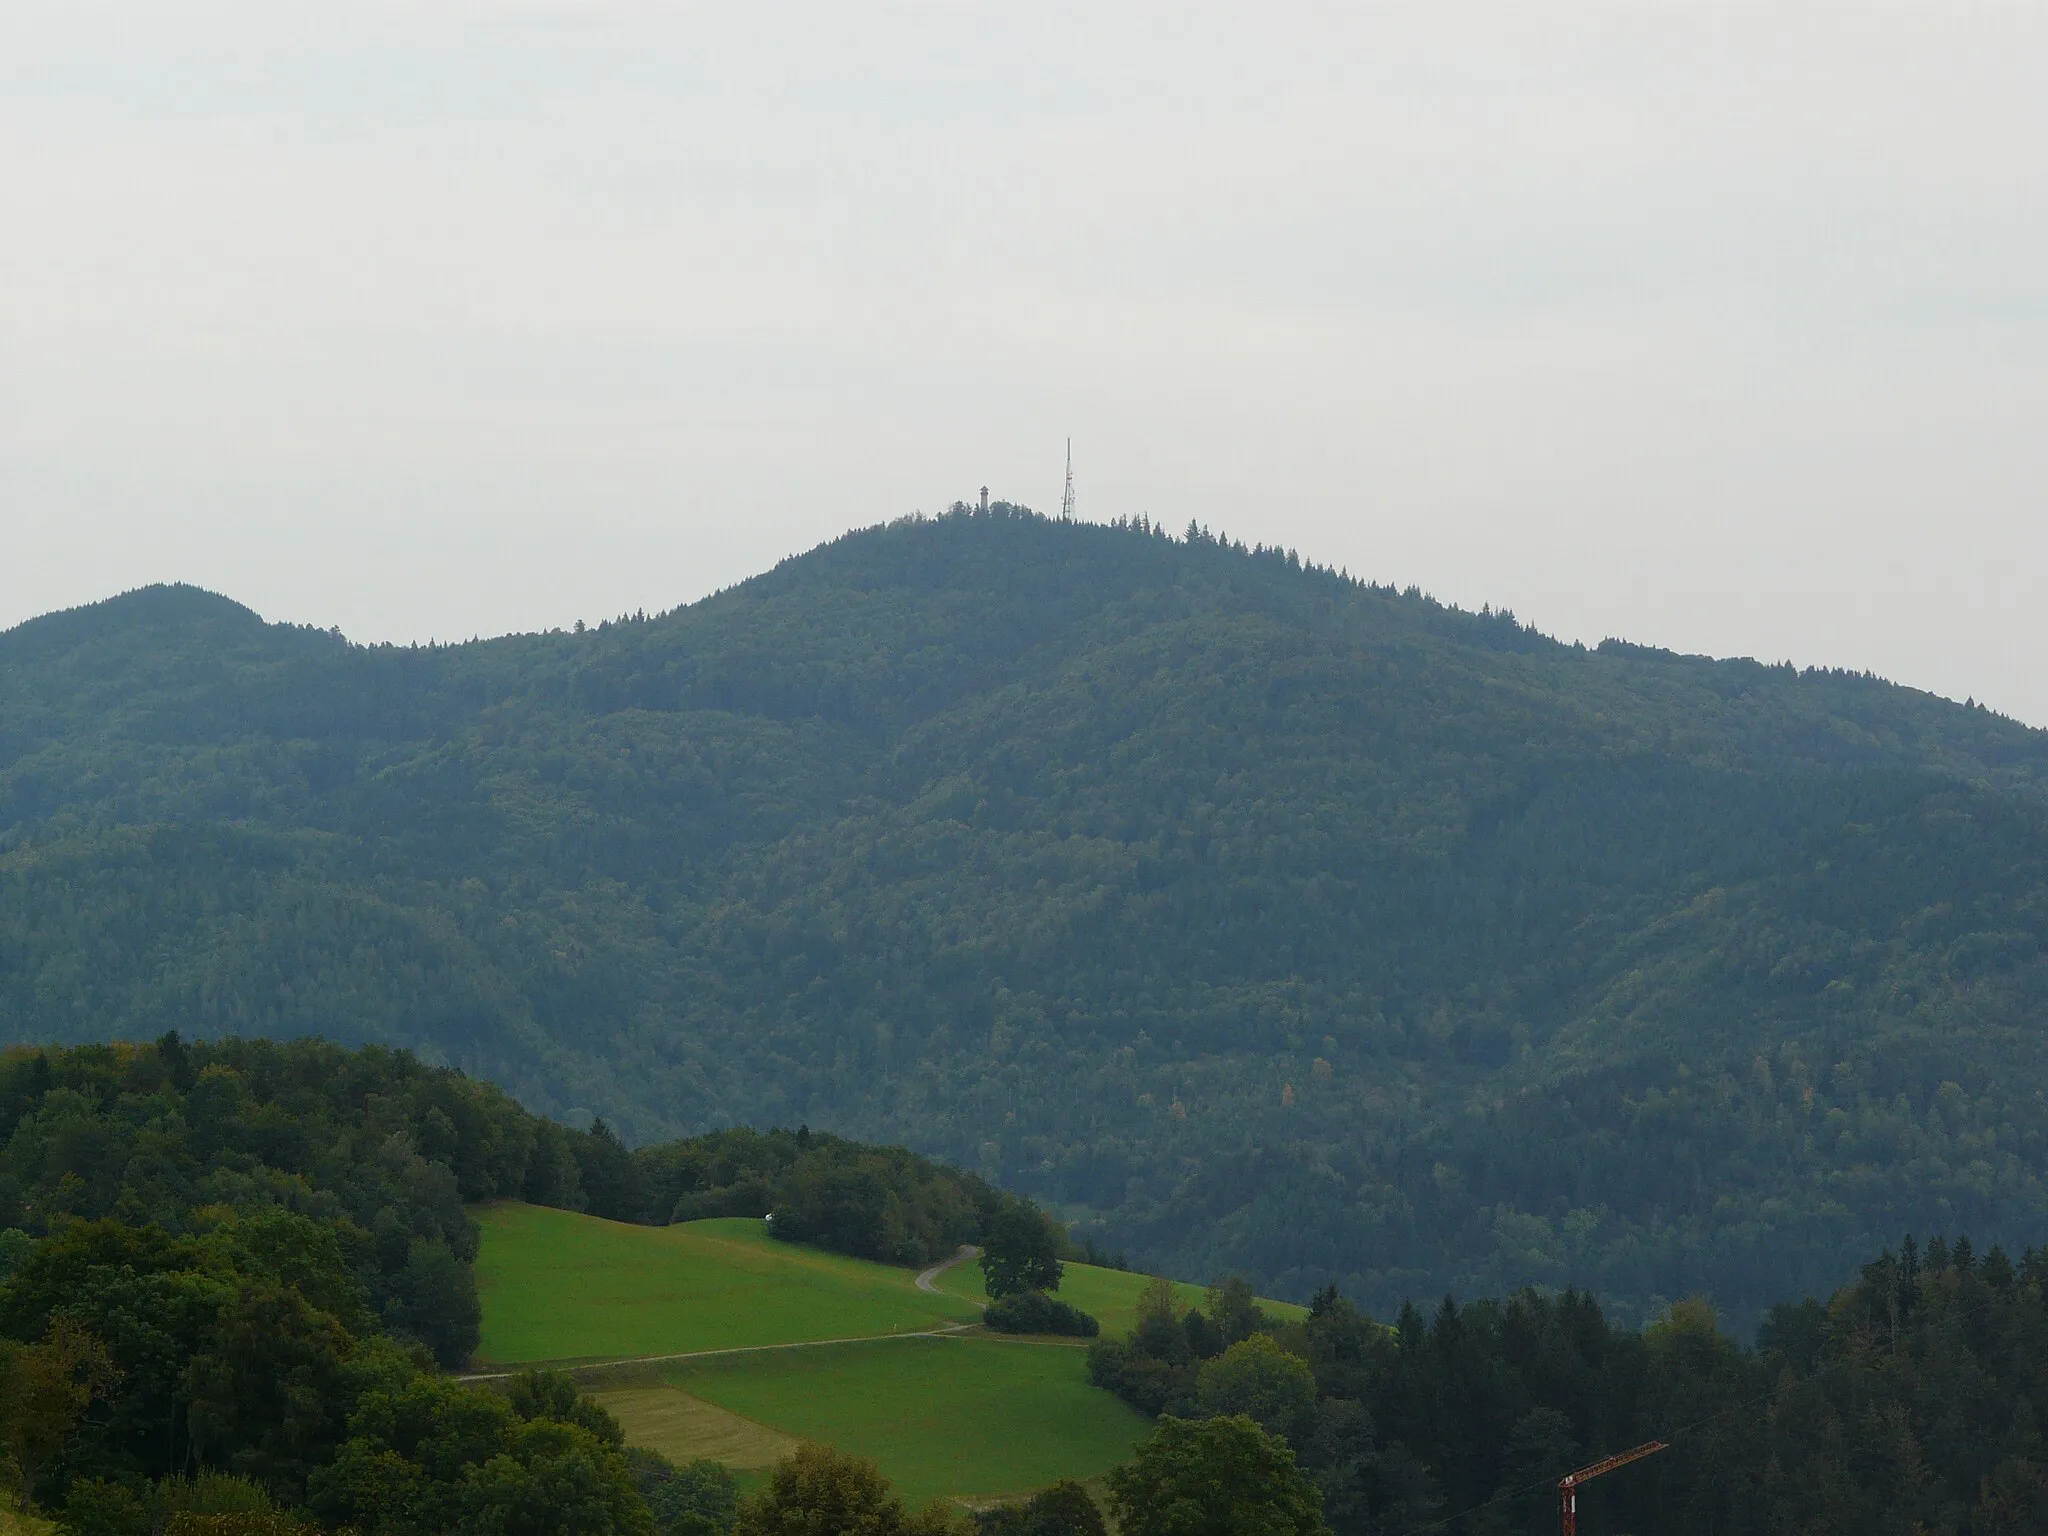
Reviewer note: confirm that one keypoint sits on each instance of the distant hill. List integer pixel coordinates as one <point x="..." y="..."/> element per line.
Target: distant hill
<point x="1260" y="918"/>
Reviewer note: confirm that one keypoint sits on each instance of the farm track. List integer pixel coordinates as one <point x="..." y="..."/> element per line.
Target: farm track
<point x="951" y="1330"/>
<point x="924" y="1282"/>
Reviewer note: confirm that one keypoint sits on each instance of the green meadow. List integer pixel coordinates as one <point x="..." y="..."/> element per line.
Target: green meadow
<point x="968" y="1415"/>
<point x="1109" y="1295"/>
<point x="559" y="1286"/>
<point x="964" y="1417"/>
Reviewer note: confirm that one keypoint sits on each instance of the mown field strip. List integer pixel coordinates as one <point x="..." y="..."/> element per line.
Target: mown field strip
<point x="959" y="1416"/>
<point x="683" y="1428"/>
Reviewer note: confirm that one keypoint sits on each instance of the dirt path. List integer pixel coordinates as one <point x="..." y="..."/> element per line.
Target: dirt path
<point x="924" y="1281"/>
<point x="948" y="1331"/>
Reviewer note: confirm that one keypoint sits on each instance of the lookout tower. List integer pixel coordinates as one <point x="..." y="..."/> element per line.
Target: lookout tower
<point x="984" y="498"/>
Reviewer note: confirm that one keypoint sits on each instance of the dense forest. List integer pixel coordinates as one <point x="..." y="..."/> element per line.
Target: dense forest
<point x="230" y="1271"/>
<point x="1258" y="918"/>
<point x="1906" y="1405"/>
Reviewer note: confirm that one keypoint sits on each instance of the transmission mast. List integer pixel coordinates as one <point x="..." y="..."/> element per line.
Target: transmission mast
<point x="1067" y="500"/>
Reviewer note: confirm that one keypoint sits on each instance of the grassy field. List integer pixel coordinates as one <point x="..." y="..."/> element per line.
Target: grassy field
<point x="965" y="1416"/>
<point x="559" y="1286"/>
<point x="960" y="1417"/>
<point x="1110" y="1295"/>
<point x="683" y="1427"/>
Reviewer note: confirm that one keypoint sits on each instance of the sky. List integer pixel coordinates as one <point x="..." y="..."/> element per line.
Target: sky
<point x="1714" y="326"/>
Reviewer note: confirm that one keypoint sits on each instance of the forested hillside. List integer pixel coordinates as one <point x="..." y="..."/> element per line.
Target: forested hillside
<point x="227" y="1269"/>
<point x="1274" y="921"/>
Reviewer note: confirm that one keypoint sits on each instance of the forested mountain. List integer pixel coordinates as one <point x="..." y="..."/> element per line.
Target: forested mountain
<point x="1277" y="922"/>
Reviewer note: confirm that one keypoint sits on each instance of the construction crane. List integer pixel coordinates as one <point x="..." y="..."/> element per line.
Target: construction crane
<point x="1568" y="1485"/>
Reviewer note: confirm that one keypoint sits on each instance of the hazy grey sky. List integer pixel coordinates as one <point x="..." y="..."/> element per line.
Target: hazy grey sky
<point x="1716" y="326"/>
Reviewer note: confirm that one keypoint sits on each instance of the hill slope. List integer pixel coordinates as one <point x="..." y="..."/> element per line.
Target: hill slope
<point x="1283" y="923"/>
<point x="945" y="1408"/>
<point x="560" y="1286"/>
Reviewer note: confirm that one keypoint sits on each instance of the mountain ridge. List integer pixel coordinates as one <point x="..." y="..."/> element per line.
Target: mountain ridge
<point x="1271" y="919"/>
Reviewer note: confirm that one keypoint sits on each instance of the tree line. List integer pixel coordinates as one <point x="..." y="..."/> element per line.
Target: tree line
<point x="1906" y="1403"/>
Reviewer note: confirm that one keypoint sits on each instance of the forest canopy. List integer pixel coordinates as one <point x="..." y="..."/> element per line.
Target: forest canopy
<point x="1905" y="1404"/>
<point x="1256" y="917"/>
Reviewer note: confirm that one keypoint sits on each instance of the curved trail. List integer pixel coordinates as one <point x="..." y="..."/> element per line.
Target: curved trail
<point x="923" y="1282"/>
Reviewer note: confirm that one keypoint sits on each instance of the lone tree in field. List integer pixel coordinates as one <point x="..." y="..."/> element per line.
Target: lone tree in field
<point x="1019" y="1253"/>
<point x="1214" y="1477"/>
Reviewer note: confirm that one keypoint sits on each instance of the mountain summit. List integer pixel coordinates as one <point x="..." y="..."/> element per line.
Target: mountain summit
<point x="1259" y="918"/>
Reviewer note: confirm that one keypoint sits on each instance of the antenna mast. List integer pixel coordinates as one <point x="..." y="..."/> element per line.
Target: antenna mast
<point x="1067" y="501"/>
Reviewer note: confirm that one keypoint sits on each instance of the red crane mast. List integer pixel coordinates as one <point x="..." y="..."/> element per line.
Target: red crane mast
<point x="1568" y="1485"/>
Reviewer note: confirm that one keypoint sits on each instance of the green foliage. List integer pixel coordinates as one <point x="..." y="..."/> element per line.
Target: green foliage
<point x="1036" y="1312"/>
<point x="46" y="1389"/>
<point x="211" y="1493"/>
<point x="1064" y="1509"/>
<point x="877" y="1203"/>
<point x="15" y="1247"/>
<point x="553" y="1395"/>
<point x="1271" y="921"/>
<point x="1019" y="1253"/>
<point x="1157" y="1369"/>
<point x="698" y="1498"/>
<point x="1214" y="1477"/>
<point x="884" y="1203"/>
<point x="1234" y="1312"/>
<point x="1256" y="1379"/>
<point x="1109" y="1295"/>
<point x="1904" y="1404"/>
<point x="554" y="1479"/>
<point x="211" y="1504"/>
<point x="235" y="1262"/>
<point x="819" y="1490"/>
<point x="429" y="1455"/>
<point x="341" y="1174"/>
<point x="235" y="1523"/>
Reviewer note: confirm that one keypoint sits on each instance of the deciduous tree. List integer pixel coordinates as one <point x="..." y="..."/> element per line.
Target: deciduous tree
<point x="1214" y="1477"/>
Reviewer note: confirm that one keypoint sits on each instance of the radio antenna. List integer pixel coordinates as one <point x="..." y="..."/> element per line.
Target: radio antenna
<point x="1067" y="501"/>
